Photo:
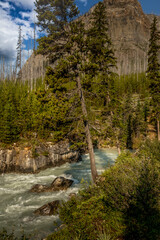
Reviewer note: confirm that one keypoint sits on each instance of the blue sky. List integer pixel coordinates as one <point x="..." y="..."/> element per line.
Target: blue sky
<point x="15" y="12"/>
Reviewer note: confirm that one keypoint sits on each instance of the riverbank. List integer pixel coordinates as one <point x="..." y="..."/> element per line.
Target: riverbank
<point x="32" y="159"/>
<point x="17" y="204"/>
<point x="123" y="204"/>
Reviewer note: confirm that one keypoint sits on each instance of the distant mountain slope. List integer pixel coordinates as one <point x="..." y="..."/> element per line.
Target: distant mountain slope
<point x="129" y="29"/>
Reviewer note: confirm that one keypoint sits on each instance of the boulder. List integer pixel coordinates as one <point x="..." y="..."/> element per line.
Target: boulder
<point x="59" y="183"/>
<point x="39" y="188"/>
<point x="48" y="209"/>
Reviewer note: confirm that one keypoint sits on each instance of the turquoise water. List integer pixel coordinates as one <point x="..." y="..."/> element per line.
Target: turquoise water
<point x="17" y="204"/>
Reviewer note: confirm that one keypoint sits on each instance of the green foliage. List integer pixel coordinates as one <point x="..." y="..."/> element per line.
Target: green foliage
<point x="101" y="55"/>
<point x="53" y="16"/>
<point x="4" y="235"/>
<point x="153" y="71"/>
<point x="124" y="204"/>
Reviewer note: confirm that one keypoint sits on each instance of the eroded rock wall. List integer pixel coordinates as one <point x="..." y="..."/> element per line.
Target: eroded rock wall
<point x="129" y="29"/>
<point x="29" y="160"/>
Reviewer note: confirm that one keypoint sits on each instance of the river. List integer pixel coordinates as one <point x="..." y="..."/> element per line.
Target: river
<point x="17" y="204"/>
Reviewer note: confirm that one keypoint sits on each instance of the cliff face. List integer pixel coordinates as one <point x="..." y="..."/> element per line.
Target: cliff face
<point x="28" y="161"/>
<point x="129" y="29"/>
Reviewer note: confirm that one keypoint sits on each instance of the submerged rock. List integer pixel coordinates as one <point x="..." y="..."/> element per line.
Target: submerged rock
<point x="39" y="188"/>
<point x="59" y="183"/>
<point x="48" y="209"/>
<point x="32" y="160"/>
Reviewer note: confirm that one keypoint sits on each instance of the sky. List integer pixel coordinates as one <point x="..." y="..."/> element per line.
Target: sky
<point x="21" y="12"/>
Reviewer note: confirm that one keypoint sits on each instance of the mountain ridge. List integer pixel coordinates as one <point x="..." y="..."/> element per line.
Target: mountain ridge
<point x="129" y="29"/>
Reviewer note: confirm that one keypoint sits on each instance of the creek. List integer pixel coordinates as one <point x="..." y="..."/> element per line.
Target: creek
<point x="17" y="204"/>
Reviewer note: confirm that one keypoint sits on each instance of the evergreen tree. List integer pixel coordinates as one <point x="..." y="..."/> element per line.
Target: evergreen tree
<point x="54" y="20"/>
<point x="101" y="54"/>
<point x="71" y="68"/>
<point x="153" y="71"/>
<point x="53" y="17"/>
<point x="9" y="125"/>
<point x="138" y="121"/>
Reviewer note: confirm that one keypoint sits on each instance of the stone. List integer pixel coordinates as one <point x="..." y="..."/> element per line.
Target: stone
<point x="38" y="188"/>
<point x="47" y="155"/>
<point x="129" y="29"/>
<point x="48" y="209"/>
<point x="59" y="183"/>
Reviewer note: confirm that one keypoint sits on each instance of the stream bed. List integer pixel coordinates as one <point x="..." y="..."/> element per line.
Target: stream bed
<point x="17" y="204"/>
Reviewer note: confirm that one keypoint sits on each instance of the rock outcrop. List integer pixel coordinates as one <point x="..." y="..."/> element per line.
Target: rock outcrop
<point x="129" y="29"/>
<point x="32" y="160"/>
<point x="48" y="209"/>
<point x="59" y="183"/>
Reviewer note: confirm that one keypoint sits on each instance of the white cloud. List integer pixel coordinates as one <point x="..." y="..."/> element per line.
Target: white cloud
<point x="4" y="5"/>
<point x="8" y="33"/>
<point x="26" y="4"/>
<point x="30" y="16"/>
<point x="9" y="30"/>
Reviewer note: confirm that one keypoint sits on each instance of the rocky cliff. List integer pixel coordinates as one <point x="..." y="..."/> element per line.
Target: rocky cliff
<point x="29" y="160"/>
<point x="129" y="29"/>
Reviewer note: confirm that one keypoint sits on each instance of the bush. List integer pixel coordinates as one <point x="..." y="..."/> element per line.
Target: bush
<point x="125" y="203"/>
<point x="4" y="235"/>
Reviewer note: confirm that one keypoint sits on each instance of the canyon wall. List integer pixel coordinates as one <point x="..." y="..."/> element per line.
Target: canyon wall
<point x="32" y="160"/>
<point x="129" y="29"/>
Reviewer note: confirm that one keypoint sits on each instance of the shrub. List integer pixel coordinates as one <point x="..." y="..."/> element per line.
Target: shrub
<point x="4" y="235"/>
<point x="125" y="203"/>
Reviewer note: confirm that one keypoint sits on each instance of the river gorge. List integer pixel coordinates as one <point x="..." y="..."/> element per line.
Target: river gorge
<point x="17" y="204"/>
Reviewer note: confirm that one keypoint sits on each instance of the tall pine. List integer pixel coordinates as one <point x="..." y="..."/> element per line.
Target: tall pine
<point x="71" y="69"/>
<point x="153" y="71"/>
<point x="53" y="18"/>
<point x="101" y="54"/>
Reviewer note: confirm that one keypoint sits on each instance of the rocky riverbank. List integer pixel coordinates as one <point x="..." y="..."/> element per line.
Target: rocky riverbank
<point x="32" y="160"/>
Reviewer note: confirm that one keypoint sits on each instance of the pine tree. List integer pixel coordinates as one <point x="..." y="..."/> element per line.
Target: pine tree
<point x="64" y="37"/>
<point x="101" y="54"/>
<point x="71" y="69"/>
<point x="153" y="71"/>
<point x="53" y="17"/>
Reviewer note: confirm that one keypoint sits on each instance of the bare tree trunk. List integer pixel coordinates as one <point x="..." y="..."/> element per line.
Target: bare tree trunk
<point x="158" y="132"/>
<point x="34" y="48"/>
<point x="3" y="69"/>
<point x="87" y="131"/>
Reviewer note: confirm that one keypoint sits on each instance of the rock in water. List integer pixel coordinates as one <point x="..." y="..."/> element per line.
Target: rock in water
<point x="39" y="188"/>
<point x="48" y="209"/>
<point x="59" y="183"/>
